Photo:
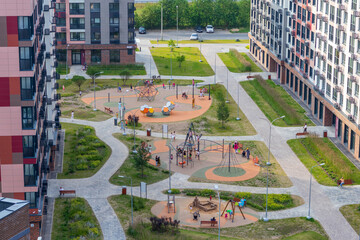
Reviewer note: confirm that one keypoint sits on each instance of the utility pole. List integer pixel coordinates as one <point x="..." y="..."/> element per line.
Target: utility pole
<point x="162" y="23"/>
<point x="177" y="26"/>
<point x="215" y="70"/>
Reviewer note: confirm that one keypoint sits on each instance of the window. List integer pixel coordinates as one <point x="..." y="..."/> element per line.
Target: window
<point x="95" y="22"/>
<point x="25" y="28"/>
<point x="60" y="7"/>
<point x="131" y="37"/>
<point x="32" y="197"/>
<point x="94" y="7"/>
<point x="77" y="36"/>
<point x="76" y="8"/>
<point x="27" y="116"/>
<point x="95" y="37"/>
<point x="30" y="174"/>
<point x="27" y="85"/>
<point x="334" y="96"/>
<point x="96" y="56"/>
<point x="29" y="146"/>
<point x="60" y="22"/>
<point x="115" y="56"/>
<point x="26" y="58"/>
<point x="351" y="66"/>
<point x="114" y="7"/>
<point x="328" y="89"/>
<point x="349" y="87"/>
<point x="130" y="52"/>
<point x="114" y="21"/>
<point x="61" y="36"/>
<point x="348" y="105"/>
<point x="77" y="23"/>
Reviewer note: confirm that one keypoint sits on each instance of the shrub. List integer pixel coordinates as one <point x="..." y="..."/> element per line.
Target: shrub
<point x="175" y="191"/>
<point x="138" y="203"/>
<point x="94" y="164"/>
<point x="207" y="193"/>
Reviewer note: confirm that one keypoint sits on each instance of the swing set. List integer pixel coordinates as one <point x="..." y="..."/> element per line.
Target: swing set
<point x="233" y="206"/>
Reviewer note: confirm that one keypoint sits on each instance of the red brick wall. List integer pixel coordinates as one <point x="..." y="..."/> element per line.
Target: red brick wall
<point x="15" y="223"/>
<point x="35" y="229"/>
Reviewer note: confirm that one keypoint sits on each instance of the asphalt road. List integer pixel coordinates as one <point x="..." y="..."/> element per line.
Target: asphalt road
<point x="185" y="35"/>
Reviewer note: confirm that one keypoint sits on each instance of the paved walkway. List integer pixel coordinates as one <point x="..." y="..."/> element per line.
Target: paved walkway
<point x="325" y="200"/>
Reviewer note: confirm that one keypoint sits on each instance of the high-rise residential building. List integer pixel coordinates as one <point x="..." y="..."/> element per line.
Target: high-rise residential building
<point x="29" y="116"/>
<point x="95" y="32"/>
<point x="320" y="58"/>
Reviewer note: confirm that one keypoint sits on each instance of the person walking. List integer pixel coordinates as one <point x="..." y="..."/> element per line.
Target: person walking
<point x="236" y="147"/>
<point x="163" y="85"/>
<point x="247" y="153"/>
<point x="80" y="93"/>
<point x="342" y="181"/>
<point x="72" y="116"/>
<point x="305" y="128"/>
<point x="174" y="135"/>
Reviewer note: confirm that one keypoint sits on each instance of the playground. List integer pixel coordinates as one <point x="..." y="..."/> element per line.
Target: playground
<point x="152" y="103"/>
<point x="193" y="216"/>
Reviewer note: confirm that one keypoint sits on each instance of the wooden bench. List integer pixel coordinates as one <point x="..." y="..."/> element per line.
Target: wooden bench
<point x="212" y="223"/>
<point x="63" y="192"/>
<point x="108" y="110"/>
<point x="346" y="182"/>
<point x="302" y="134"/>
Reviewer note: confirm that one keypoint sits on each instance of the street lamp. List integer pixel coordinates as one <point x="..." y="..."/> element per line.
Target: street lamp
<point x="267" y="170"/>
<point x="238" y="116"/>
<point x="67" y="61"/>
<point x="200" y="39"/>
<point x="93" y="77"/>
<point x="170" y="66"/>
<point x="227" y="86"/>
<point x="177" y="26"/>
<point x="215" y="70"/>
<point x="216" y="187"/>
<point x="321" y="164"/>
<point x="132" y="208"/>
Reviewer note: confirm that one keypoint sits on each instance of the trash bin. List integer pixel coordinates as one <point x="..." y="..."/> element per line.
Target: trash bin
<point x="325" y="134"/>
<point x="123" y="192"/>
<point x="115" y="121"/>
<point x="148" y="132"/>
<point x="269" y="77"/>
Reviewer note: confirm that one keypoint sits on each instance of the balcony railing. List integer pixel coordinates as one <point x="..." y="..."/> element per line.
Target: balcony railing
<point x="25" y="34"/>
<point x="77" y="11"/>
<point x="77" y="26"/>
<point x="29" y="152"/>
<point x="27" y="94"/>
<point x="26" y="64"/>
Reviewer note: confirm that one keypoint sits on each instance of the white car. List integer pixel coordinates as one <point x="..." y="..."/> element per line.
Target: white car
<point x="194" y="36"/>
<point x="209" y="29"/>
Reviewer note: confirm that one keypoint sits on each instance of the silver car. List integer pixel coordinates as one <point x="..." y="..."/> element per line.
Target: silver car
<point x="194" y="36"/>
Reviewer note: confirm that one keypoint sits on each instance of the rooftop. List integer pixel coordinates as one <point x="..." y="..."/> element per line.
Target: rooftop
<point x="9" y="205"/>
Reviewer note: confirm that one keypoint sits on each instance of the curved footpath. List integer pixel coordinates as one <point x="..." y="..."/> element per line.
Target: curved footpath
<point x="325" y="200"/>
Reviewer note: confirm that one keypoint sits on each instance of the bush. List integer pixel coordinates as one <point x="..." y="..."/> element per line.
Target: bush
<point x="175" y="191"/>
<point x="138" y="203"/>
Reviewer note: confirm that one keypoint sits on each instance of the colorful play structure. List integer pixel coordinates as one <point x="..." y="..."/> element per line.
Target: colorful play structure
<point x="146" y="90"/>
<point x="166" y="110"/>
<point x="145" y="109"/>
<point x="203" y="205"/>
<point x="233" y="203"/>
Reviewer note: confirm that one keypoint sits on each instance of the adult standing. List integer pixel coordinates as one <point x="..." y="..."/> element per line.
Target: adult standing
<point x="72" y="116"/>
<point x="247" y="153"/>
<point x="305" y="128"/>
<point x="236" y="147"/>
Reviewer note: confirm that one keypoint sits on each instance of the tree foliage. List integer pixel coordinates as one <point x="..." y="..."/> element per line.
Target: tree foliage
<point x="222" y="109"/>
<point x="141" y="158"/>
<point x="180" y="59"/>
<point x="125" y="75"/>
<point x="171" y="44"/>
<point x="219" y="13"/>
<point x="78" y="80"/>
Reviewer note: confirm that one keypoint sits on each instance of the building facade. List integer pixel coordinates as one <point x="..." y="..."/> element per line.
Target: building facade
<point x="14" y="219"/>
<point x="29" y="114"/>
<point x="95" y="32"/>
<point x="321" y="44"/>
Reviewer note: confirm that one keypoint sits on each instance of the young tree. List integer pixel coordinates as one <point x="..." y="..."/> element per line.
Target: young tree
<point x="78" y="80"/>
<point x="125" y="75"/>
<point x="171" y="44"/>
<point x="180" y="59"/>
<point x="222" y="110"/>
<point x="141" y="158"/>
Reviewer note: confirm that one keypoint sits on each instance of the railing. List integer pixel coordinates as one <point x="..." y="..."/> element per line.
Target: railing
<point x="25" y="34"/>
<point x="77" y="26"/>
<point x="26" y="64"/>
<point x="27" y="94"/>
<point x="77" y="11"/>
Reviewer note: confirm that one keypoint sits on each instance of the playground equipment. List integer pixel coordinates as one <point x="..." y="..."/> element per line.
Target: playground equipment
<point x="145" y="90"/>
<point x="149" y="111"/>
<point x="233" y="205"/>
<point x="203" y="205"/>
<point x="229" y="161"/>
<point x="166" y="110"/>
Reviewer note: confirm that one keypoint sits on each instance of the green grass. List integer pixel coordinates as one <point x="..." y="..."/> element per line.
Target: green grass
<point x="134" y="69"/>
<point x="209" y="123"/>
<point x="310" y="235"/>
<point x="190" y="67"/>
<point x="312" y="151"/>
<point x="240" y="30"/>
<point x="259" y="230"/>
<point x="61" y="69"/>
<point x="74" y="219"/>
<point x="277" y="176"/>
<point x="152" y="174"/>
<point x="234" y="65"/>
<point x="84" y="153"/>
<point x="215" y="41"/>
<point x="274" y="102"/>
<point x="352" y="215"/>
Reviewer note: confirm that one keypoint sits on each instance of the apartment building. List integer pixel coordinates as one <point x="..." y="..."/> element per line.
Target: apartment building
<point x="95" y="32"/>
<point x="321" y="65"/>
<point x="29" y="114"/>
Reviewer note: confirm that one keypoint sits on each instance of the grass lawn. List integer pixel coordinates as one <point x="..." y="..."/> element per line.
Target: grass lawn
<point x="134" y="69"/>
<point x="235" y="65"/>
<point x="307" y="236"/>
<point x="259" y="230"/>
<point x="152" y="174"/>
<point x="84" y="153"/>
<point x="312" y="151"/>
<point x="277" y="176"/>
<point x="209" y="123"/>
<point x="274" y="102"/>
<point x="190" y="67"/>
<point x="74" y="219"/>
<point x="352" y="215"/>
<point x="61" y="69"/>
<point x="213" y="41"/>
<point x="240" y="30"/>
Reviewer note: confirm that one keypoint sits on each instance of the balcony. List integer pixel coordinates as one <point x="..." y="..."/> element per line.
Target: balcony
<point x="25" y="34"/>
<point x="26" y="64"/>
<point x="27" y="94"/>
<point x="29" y="152"/>
<point x="77" y="11"/>
<point x="77" y="26"/>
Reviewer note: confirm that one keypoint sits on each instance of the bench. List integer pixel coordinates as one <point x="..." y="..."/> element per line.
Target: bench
<point x="346" y="182"/>
<point x="63" y="192"/>
<point x="212" y="223"/>
<point x="302" y="134"/>
<point x="108" y="110"/>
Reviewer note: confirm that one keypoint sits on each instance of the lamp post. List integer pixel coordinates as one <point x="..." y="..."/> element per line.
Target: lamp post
<point x="200" y="39"/>
<point x="132" y="208"/>
<point x="67" y="61"/>
<point x="177" y="26"/>
<point x="267" y="170"/>
<point x="94" y="77"/>
<point x="215" y="70"/>
<point x="238" y="116"/>
<point x="171" y="66"/>
<point x="321" y="164"/>
<point x="162" y="22"/>
<point x="227" y="86"/>
<point x="216" y="187"/>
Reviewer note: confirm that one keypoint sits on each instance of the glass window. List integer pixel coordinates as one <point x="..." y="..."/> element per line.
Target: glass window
<point x="26" y="58"/>
<point x="77" y="8"/>
<point x="27" y="117"/>
<point x="95" y="37"/>
<point x="77" y="36"/>
<point x="27" y="85"/>
<point x="32" y="197"/>
<point x="94" y="7"/>
<point x="29" y="146"/>
<point x="130" y="52"/>
<point x="96" y="56"/>
<point x="30" y="174"/>
<point x="25" y="28"/>
<point x="115" y="56"/>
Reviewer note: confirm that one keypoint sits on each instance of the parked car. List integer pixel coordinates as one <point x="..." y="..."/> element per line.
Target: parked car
<point x="199" y="29"/>
<point x="142" y="30"/>
<point x="209" y="29"/>
<point x="194" y="36"/>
